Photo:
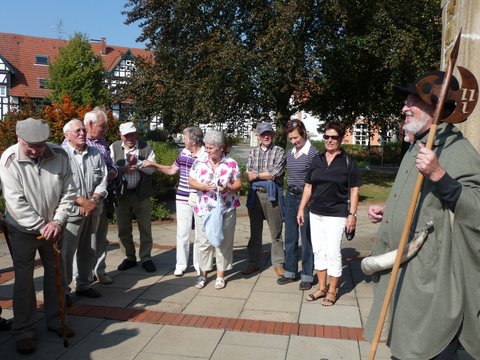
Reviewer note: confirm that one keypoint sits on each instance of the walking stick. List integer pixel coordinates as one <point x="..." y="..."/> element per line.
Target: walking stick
<point x="60" y="294"/>
<point x="468" y="98"/>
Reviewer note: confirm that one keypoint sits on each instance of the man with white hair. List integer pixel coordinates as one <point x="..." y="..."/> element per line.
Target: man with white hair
<point x="95" y="122"/>
<point x="90" y="176"/>
<point x="39" y="192"/>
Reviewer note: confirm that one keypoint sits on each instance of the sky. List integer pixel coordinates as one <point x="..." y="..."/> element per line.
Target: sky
<point x="62" y="18"/>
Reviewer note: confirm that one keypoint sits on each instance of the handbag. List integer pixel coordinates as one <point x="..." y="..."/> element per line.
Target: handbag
<point x="349" y="235"/>
<point x="213" y="224"/>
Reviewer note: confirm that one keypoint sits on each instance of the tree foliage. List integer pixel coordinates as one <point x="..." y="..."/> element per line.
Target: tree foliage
<point x="224" y="61"/>
<point x="56" y="115"/>
<point x="79" y="74"/>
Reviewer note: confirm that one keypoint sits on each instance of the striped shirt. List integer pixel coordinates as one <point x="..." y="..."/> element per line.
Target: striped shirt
<point x="184" y="163"/>
<point x="297" y="167"/>
<point x="102" y="146"/>
<point x="271" y="160"/>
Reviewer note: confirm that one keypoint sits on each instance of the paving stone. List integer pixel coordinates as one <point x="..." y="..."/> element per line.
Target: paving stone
<point x="183" y="341"/>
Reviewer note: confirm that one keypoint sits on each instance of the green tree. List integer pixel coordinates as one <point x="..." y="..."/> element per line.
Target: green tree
<point x="79" y="74"/>
<point x="365" y="49"/>
<point x="226" y="61"/>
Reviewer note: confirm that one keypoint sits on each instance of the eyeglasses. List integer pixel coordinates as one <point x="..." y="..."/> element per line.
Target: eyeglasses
<point x="79" y="130"/>
<point x="333" y="137"/>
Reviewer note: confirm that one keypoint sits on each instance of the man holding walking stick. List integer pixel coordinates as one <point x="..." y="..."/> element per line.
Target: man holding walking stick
<point x="436" y="303"/>
<point x="39" y="193"/>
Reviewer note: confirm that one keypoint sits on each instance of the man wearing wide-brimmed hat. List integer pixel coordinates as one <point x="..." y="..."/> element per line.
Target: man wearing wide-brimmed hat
<point x="436" y="305"/>
<point x="39" y="193"/>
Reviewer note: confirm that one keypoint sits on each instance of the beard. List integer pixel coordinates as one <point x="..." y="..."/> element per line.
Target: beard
<point x="417" y="125"/>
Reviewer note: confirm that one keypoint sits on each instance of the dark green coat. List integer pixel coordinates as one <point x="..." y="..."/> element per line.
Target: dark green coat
<point x="439" y="288"/>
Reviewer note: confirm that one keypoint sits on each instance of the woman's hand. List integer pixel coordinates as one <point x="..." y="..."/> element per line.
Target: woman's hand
<point x="351" y="223"/>
<point x="300" y="217"/>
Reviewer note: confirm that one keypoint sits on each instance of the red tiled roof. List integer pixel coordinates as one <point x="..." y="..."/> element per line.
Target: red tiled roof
<point x="20" y="51"/>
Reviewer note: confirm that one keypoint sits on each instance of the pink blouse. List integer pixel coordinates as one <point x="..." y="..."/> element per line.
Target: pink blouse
<point x="227" y="172"/>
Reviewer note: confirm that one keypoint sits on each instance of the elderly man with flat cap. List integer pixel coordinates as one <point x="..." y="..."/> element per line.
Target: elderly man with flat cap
<point x="128" y="155"/>
<point x="265" y="172"/>
<point x="39" y="193"/>
<point x="436" y="304"/>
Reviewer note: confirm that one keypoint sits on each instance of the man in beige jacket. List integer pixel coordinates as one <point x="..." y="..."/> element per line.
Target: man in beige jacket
<point x="39" y="193"/>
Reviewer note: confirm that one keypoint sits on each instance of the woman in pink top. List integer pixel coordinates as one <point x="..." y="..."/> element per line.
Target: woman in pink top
<point x="216" y="174"/>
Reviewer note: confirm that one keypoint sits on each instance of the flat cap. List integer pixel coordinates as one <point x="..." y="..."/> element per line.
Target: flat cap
<point x="33" y="131"/>
<point x="127" y="128"/>
<point x="264" y="127"/>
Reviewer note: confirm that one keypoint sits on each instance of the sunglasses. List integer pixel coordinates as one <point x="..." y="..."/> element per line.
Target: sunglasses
<point x="333" y="137"/>
<point x="292" y="124"/>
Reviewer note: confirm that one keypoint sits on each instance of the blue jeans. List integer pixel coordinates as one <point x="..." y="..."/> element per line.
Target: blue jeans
<point x="292" y="202"/>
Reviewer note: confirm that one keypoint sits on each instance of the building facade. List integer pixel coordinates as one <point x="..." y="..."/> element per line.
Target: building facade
<point x="24" y="63"/>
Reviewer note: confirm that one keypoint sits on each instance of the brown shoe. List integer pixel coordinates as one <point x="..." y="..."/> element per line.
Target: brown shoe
<point x="104" y="279"/>
<point x="279" y="271"/>
<point x="250" y="269"/>
<point x="25" y="346"/>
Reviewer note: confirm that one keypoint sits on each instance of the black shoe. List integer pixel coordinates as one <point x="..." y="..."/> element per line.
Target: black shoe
<point x="5" y="324"/>
<point x="68" y="301"/>
<point x="25" y="346"/>
<point x="149" y="266"/>
<point x="90" y="292"/>
<point x="126" y="264"/>
<point x="59" y="331"/>
<point x="285" y="280"/>
<point x="305" y="285"/>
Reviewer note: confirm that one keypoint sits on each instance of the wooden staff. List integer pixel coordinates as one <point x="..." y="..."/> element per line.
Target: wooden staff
<point x="60" y="294"/>
<point x="413" y="202"/>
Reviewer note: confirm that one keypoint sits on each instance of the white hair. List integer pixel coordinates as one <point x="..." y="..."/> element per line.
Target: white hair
<point x="68" y="125"/>
<point x="93" y="116"/>
<point x="214" y="137"/>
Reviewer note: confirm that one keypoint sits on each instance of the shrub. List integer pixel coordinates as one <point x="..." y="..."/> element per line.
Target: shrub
<point x="160" y="210"/>
<point x="163" y="184"/>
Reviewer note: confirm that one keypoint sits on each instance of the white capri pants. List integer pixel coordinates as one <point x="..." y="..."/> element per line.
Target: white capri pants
<point x="224" y="253"/>
<point x="326" y="233"/>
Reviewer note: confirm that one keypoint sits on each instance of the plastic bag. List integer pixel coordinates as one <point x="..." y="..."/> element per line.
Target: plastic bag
<point x="213" y="224"/>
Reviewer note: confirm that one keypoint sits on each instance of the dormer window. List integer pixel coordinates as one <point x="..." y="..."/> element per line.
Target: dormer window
<point x="41" y="60"/>
<point x="42" y="83"/>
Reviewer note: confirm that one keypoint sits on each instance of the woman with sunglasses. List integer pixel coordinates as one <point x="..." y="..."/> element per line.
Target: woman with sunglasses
<point x="298" y="163"/>
<point x="332" y="189"/>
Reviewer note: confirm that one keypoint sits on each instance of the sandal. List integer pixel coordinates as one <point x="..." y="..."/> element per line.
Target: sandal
<point x="313" y="297"/>
<point x="201" y="281"/>
<point x="219" y="283"/>
<point x="330" y="302"/>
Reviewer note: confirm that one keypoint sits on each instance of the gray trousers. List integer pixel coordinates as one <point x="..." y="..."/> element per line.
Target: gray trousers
<point x="25" y="316"/>
<point x="270" y="211"/>
<point x="102" y="242"/>
<point x="128" y="205"/>
<point x="79" y="250"/>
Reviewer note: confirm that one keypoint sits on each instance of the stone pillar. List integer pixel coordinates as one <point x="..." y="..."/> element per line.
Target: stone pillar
<point x="464" y="15"/>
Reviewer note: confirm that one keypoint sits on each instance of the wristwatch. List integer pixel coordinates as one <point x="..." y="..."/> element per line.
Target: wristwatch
<point x="354" y="214"/>
<point x="257" y="175"/>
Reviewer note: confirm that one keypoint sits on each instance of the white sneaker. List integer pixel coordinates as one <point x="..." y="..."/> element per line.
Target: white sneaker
<point x="178" y="272"/>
